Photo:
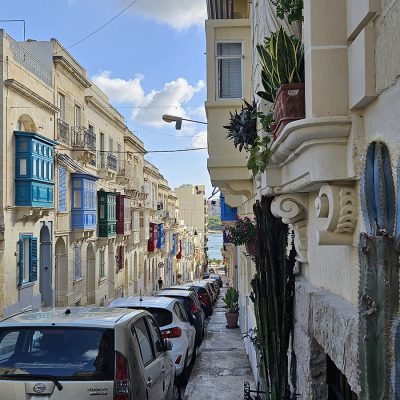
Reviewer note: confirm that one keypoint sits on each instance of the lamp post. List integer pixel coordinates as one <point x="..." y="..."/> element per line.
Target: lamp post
<point x="178" y="120"/>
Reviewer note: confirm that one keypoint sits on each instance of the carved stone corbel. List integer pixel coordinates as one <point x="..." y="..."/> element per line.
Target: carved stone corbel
<point x="336" y="205"/>
<point x="292" y="208"/>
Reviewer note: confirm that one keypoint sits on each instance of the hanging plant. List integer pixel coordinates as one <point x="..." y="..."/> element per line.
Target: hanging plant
<point x="292" y="9"/>
<point x="242" y="232"/>
<point x="242" y="127"/>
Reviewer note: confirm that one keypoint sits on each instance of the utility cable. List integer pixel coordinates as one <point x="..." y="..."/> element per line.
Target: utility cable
<point x="103" y="26"/>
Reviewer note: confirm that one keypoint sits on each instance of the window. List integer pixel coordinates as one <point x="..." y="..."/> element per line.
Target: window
<point x="77" y="115"/>
<point x="102" y="272"/>
<point x="79" y="354"/>
<point x="22" y="166"/>
<point x="156" y="335"/>
<point x="144" y="341"/>
<point x="62" y="189"/>
<point x="229" y="70"/>
<point x="27" y="259"/>
<point x="61" y="105"/>
<point x="77" y="262"/>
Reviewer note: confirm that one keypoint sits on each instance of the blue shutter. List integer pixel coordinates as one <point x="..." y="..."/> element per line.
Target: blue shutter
<point x="20" y="263"/>
<point x="33" y="263"/>
<point x="62" y="189"/>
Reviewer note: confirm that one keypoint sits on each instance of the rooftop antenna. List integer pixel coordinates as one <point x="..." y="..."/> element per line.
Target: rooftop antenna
<point x="140" y="295"/>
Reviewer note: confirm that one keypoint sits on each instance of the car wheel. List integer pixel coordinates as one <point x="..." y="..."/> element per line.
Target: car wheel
<point x="194" y="354"/>
<point x="176" y="392"/>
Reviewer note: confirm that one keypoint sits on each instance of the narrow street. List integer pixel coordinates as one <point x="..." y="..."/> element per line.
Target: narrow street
<point x="222" y="366"/>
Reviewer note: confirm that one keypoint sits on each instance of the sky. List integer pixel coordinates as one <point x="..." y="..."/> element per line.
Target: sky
<point x="150" y="61"/>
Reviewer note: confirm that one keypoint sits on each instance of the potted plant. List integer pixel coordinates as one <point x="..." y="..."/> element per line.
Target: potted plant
<point x="231" y="301"/>
<point x="242" y="127"/>
<point x="243" y="232"/>
<point x="282" y="76"/>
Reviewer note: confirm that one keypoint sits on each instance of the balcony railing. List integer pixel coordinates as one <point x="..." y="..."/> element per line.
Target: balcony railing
<point x="125" y="168"/>
<point x="107" y="161"/>
<point x="83" y="138"/>
<point x="63" y="132"/>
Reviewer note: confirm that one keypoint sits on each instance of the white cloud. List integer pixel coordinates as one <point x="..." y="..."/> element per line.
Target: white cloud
<point x="179" y="14"/>
<point x="152" y="105"/>
<point x="200" y="140"/>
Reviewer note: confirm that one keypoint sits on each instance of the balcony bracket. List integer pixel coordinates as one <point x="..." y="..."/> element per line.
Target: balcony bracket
<point x="336" y="207"/>
<point x="293" y="209"/>
<point x="30" y="214"/>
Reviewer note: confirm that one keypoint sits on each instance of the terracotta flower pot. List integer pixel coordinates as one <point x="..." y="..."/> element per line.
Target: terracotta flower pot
<point x="289" y="106"/>
<point x="231" y="319"/>
<point x="251" y="247"/>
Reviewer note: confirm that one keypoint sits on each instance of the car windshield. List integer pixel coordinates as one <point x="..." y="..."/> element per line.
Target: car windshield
<point x="162" y="317"/>
<point x="65" y="353"/>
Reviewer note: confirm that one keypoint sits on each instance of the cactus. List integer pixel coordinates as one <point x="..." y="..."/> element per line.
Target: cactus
<point x="273" y="287"/>
<point x="379" y="275"/>
<point x="378" y="303"/>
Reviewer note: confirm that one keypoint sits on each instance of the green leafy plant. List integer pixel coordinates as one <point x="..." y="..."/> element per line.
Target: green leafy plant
<point x="259" y="155"/>
<point x="242" y="127"/>
<point x="282" y="61"/>
<point x="242" y="231"/>
<point x="231" y="300"/>
<point x="292" y="9"/>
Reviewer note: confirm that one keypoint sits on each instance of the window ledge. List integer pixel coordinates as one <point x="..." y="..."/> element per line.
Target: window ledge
<point x="78" y="280"/>
<point x="26" y="285"/>
<point x="102" y="280"/>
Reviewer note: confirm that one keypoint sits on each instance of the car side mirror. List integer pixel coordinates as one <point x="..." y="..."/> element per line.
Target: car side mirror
<point x="167" y="345"/>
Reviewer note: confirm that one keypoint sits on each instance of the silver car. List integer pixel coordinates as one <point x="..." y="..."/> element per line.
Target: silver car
<point x="174" y="324"/>
<point x="85" y="353"/>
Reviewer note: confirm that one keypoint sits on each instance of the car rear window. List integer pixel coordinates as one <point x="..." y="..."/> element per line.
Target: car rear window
<point x="199" y="289"/>
<point x="65" y="353"/>
<point x="162" y="317"/>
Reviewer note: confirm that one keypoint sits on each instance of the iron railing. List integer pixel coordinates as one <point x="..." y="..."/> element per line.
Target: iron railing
<point x="83" y="138"/>
<point x="111" y="161"/>
<point x="63" y="132"/>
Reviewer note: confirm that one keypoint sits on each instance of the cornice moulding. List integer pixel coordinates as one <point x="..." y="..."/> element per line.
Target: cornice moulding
<point x="297" y="133"/>
<point x="29" y="94"/>
<point x="73" y="72"/>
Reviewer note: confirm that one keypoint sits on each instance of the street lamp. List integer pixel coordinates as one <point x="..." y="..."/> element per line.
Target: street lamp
<point x="178" y="120"/>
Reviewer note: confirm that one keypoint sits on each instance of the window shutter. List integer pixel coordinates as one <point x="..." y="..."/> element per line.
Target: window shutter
<point x="33" y="262"/>
<point x="62" y="189"/>
<point x="20" y="262"/>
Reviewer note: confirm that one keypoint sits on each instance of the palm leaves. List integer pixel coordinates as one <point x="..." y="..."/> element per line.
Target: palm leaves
<point x="282" y="61"/>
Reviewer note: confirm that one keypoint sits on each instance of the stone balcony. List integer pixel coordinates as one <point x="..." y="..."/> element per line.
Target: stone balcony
<point x="309" y="153"/>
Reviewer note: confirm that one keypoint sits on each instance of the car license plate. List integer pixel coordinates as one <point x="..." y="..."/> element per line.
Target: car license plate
<point x="33" y="397"/>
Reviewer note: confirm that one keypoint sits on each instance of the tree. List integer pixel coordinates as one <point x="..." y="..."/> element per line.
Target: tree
<point x="214" y="223"/>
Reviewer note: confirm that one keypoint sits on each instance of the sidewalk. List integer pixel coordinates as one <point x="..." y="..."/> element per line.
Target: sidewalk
<point x="222" y="366"/>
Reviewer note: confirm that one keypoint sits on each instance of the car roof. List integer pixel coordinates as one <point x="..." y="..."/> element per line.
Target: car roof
<point x="177" y="293"/>
<point x="72" y="317"/>
<point x="179" y="287"/>
<point x="144" y="301"/>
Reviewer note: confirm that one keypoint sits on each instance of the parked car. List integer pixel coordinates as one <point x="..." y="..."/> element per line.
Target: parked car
<point x="192" y="306"/>
<point x="206" y="275"/>
<point x="211" y="287"/>
<point x="218" y="278"/>
<point x="204" y="297"/>
<point x="214" y="283"/>
<point x="83" y="352"/>
<point x="174" y="324"/>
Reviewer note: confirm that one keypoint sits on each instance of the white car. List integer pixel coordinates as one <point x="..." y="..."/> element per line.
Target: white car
<point x="174" y="325"/>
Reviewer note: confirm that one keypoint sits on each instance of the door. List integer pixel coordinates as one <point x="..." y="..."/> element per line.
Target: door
<point x="152" y="365"/>
<point x="167" y="375"/>
<point x="188" y="328"/>
<point x="45" y="279"/>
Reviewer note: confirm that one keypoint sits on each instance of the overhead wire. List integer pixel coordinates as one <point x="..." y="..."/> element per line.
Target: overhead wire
<point x="103" y="26"/>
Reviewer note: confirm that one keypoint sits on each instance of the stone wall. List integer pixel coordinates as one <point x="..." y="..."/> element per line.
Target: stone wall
<point x="324" y="324"/>
<point x="387" y="54"/>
